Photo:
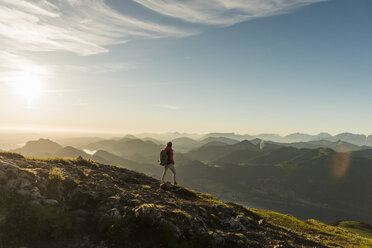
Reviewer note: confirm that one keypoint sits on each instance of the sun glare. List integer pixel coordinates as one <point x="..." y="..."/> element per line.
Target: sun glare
<point x="29" y="87"/>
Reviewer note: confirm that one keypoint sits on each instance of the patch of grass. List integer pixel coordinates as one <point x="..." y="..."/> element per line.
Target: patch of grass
<point x="183" y="213"/>
<point x="83" y="173"/>
<point x="135" y="201"/>
<point x="53" y="160"/>
<point x="151" y="205"/>
<point x="212" y="200"/>
<point x="173" y="204"/>
<point x="206" y="196"/>
<point x="85" y="162"/>
<point x="29" y="171"/>
<point x="56" y="174"/>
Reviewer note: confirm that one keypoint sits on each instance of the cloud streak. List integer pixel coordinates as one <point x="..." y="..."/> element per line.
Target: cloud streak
<point x="222" y="12"/>
<point x="97" y="68"/>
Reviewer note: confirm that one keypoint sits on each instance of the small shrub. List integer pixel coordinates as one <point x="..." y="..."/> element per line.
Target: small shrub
<point x="56" y="174"/>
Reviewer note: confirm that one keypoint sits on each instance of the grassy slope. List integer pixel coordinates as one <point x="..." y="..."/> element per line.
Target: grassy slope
<point x="185" y="208"/>
<point x="327" y="235"/>
<point x="357" y="227"/>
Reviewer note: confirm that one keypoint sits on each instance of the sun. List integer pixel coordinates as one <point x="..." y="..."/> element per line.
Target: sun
<point x="28" y="87"/>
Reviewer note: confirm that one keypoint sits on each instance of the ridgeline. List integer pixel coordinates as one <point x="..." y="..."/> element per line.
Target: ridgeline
<point x="81" y="203"/>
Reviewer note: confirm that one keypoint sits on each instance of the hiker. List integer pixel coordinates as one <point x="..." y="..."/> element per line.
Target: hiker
<point x="169" y="164"/>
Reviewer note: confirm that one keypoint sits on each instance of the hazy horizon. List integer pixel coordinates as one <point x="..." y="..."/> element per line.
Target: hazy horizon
<point x="107" y="133"/>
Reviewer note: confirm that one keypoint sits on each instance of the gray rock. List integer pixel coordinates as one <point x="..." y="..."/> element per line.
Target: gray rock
<point x="114" y="213"/>
<point x="10" y="169"/>
<point x="12" y="184"/>
<point x="235" y="224"/>
<point x="35" y="193"/>
<point x="24" y="183"/>
<point x="242" y="219"/>
<point x="219" y="238"/>
<point x="35" y="203"/>
<point x="50" y="202"/>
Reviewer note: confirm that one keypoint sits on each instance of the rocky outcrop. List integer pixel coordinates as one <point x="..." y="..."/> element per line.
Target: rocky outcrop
<point x="81" y="203"/>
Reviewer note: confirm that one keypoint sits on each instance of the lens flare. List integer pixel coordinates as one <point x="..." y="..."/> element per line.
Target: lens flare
<point x="340" y="165"/>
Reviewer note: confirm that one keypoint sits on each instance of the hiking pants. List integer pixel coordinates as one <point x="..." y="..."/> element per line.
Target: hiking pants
<point x="173" y="170"/>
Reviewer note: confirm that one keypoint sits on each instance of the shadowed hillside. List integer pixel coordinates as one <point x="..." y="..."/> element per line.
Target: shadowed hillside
<point x="81" y="203"/>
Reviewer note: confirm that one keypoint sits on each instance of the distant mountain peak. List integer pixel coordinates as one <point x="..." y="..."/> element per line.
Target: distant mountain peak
<point x="39" y="146"/>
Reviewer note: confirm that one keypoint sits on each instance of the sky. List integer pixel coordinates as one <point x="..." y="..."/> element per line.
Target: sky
<point x="244" y="66"/>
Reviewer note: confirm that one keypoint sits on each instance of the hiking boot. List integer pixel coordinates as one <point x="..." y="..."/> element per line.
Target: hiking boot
<point x="175" y="183"/>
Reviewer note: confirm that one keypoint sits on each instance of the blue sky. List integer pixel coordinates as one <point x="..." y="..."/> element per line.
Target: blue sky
<point x="254" y="66"/>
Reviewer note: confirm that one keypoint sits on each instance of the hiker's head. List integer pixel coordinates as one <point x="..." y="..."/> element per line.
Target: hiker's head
<point x="169" y="144"/>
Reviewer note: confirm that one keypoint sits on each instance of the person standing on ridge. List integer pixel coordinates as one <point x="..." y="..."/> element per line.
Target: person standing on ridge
<point x="169" y="164"/>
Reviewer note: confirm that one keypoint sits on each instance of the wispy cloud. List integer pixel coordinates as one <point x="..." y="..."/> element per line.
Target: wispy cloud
<point x="222" y="12"/>
<point x="83" y="27"/>
<point x="87" y="27"/>
<point x="167" y="106"/>
<point x="98" y="68"/>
